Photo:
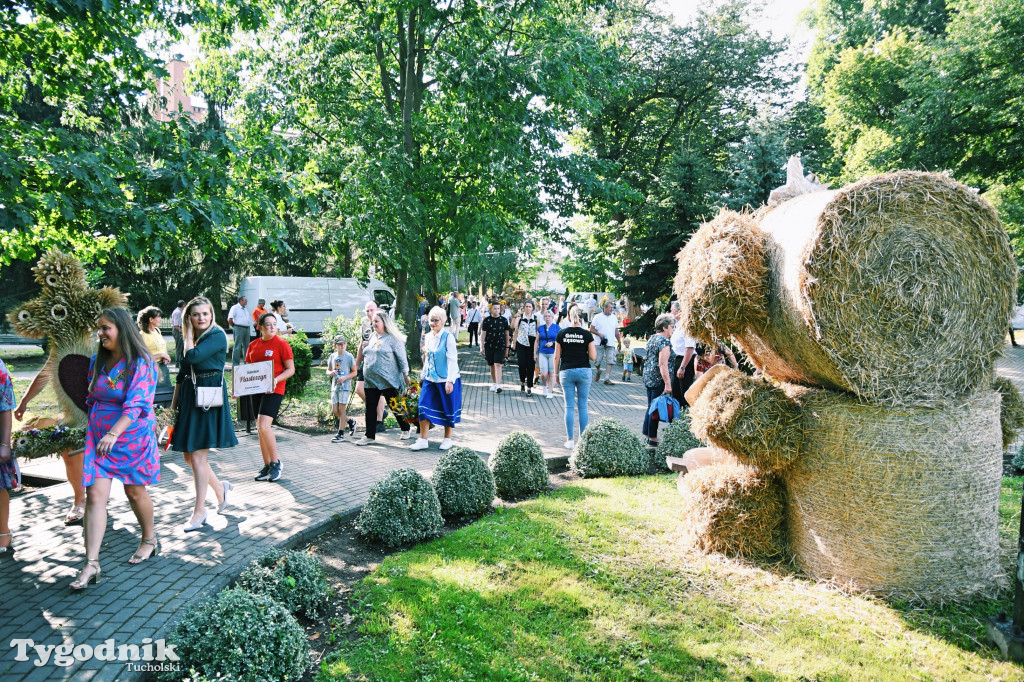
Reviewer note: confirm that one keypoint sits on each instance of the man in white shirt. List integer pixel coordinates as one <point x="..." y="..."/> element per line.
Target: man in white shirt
<point x="605" y="328"/>
<point x="179" y="339"/>
<point x="685" y="348"/>
<point x="241" y="321"/>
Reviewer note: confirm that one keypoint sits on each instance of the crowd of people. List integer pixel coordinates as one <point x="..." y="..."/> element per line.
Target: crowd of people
<point x="565" y="346"/>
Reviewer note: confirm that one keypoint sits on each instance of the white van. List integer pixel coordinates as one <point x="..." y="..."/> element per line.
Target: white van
<point x="581" y="297"/>
<point x="310" y="300"/>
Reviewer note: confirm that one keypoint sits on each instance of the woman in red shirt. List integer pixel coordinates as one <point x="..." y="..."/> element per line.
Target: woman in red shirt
<point x="269" y="346"/>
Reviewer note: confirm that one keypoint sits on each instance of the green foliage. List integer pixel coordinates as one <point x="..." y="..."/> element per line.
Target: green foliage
<point x="662" y="164"/>
<point x="349" y="327"/>
<point x="593" y="263"/>
<point x="518" y="466"/>
<point x="609" y="448"/>
<point x="295" y="579"/>
<point x="464" y="484"/>
<point x="676" y="439"/>
<point x="402" y="507"/>
<point x="240" y="636"/>
<point x="296" y="384"/>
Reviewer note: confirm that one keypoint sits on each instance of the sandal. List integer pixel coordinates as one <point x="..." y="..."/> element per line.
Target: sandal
<point x="74" y="516"/>
<point x="138" y="558"/>
<point x="93" y="577"/>
<point x="9" y="549"/>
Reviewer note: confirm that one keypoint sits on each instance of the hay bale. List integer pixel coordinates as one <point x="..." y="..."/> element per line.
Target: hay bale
<point x="1011" y="410"/>
<point x="734" y="510"/>
<point x="722" y="278"/>
<point x="897" y="501"/>
<point x="897" y="288"/>
<point x="758" y="422"/>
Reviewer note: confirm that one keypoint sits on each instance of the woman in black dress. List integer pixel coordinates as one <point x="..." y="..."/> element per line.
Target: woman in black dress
<point x="197" y="430"/>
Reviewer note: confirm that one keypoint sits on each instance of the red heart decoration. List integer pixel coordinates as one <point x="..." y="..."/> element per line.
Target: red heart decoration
<point x="73" y="377"/>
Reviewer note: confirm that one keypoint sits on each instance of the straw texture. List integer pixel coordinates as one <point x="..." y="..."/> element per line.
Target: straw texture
<point x="721" y="281"/>
<point x="897" y="288"/>
<point x="753" y="419"/>
<point x="734" y="510"/>
<point x="1011" y="412"/>
<point x="897" y="501"/>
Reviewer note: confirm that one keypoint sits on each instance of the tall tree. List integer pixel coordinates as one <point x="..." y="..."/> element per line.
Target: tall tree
<point x="662" y="139"/>
<point x="84" y="164"/>
<point x="434" y="126"/>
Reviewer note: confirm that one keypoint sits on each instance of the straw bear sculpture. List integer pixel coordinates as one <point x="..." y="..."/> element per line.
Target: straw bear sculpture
<point x="65" y="312"/>
<point x="868" y="445"/>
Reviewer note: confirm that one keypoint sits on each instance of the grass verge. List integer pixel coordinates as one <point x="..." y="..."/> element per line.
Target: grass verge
<point x="591" y="582"/>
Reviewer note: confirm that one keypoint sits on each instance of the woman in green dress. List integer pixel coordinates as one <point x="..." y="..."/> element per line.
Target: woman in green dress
<point x="197" y="430"/>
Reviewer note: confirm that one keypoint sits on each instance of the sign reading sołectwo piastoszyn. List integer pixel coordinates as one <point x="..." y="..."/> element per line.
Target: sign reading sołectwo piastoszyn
<point x="254" y="378"/>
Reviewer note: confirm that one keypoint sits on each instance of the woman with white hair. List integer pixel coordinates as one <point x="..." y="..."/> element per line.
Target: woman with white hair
<point x="441" y="388"/>
<point x="657" y="371"/>
<point x="385" y="371"/>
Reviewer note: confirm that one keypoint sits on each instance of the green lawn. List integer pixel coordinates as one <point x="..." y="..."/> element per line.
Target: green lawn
<point x="590" y="582"/>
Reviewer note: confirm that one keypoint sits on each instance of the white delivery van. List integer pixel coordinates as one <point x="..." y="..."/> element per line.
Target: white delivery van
<point x="310" y="300"/>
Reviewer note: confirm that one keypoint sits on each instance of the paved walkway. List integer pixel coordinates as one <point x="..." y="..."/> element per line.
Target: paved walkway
<point x="321" y="481"/>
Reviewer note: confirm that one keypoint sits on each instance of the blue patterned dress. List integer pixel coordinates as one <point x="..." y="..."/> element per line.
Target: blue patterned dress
<point x="134" y="459"/>
<point x="10" y="474"/>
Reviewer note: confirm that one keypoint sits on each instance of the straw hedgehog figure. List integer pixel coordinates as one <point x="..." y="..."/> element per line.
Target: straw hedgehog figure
<point x="874" y="314"/>
<point x="65" y="312"/>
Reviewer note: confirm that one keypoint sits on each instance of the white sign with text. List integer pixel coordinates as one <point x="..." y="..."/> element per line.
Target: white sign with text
<point x="254" y="378"/>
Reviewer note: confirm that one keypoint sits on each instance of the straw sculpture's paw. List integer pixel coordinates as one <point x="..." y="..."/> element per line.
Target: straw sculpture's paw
<point x="722" y="278"/>
<point x="756" y="421"/>
<point x="734" y="510"/>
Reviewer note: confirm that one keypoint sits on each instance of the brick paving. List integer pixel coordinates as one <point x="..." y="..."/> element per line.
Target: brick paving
<point x="322" y="482"/>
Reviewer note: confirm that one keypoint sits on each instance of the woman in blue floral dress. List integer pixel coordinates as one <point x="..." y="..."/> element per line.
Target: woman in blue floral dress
<point x="121" y="439"/>
<point x="10" y="476"/>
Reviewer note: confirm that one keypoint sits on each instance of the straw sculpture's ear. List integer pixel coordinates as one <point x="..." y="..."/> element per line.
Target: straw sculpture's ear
<point x="751" y="418"/>
<point x="722" y="282"/>
<point x="111" y="297"/>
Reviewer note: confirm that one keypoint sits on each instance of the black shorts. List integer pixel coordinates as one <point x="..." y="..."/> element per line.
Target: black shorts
<point x="268" y="404"/>
<point x="494" y="356"/>
<point x="359" y="374"/>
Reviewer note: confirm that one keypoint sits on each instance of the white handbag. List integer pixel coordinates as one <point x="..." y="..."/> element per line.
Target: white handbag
<point x="209" y="396"/>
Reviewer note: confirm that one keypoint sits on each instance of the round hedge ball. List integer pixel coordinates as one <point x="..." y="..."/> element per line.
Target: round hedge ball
<point x="518" y="466"/>
<point x="464" y="484"/>
<point x="609" y="448"/>
<point x="403" y="507"/>
<point x="295" y="579"/>
<point x="242" y="636"/>
<point x="676" y="439"/>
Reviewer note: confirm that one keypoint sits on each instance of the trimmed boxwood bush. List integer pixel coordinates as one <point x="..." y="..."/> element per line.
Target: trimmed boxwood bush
<point x="464" y="484"/>
<point x="240" y="636"/>
<point x="518" y="466"/>
<point x="609" y="448"/>
<point x="402" y="508"/>
<point x="676" y="439"/>
<point x="295" y="579"/>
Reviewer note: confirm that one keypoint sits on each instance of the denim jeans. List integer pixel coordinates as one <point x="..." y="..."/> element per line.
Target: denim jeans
<point x="576" y="385"/>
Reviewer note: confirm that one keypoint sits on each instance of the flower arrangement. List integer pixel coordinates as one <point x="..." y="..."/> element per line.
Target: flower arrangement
<point x="34" y="443"/>
<point x="406" y="407"/>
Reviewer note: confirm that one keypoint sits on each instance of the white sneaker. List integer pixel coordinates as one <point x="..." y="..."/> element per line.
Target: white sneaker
<point x="568" y="445"/>
<point x="446" y="444"/>
<point x="550" y="396"/>
<point x="420" y="444"/>
<point x="494" y="388"/>
<point x="406" y="435"/>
